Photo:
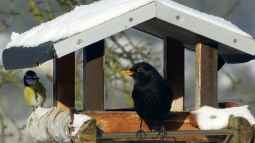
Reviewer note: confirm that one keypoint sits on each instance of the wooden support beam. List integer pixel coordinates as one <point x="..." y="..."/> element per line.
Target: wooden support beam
<point x="181" y="126"/>
<point x="64" y="81"/>
<point x="206" y="75"/>
<point x="93" y="76"/>
<point x="213" y="136"/>
<point x="174" y="71"/>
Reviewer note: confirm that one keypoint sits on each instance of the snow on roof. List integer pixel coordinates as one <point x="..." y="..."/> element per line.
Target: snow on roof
<point x="86" y="16"/>
<point x="79" y="19"/>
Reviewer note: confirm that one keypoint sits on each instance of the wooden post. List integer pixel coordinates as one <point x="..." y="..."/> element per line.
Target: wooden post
<point x="64" y="81"/>
<point x="206" y="75"/>
<point x="93" y="76"/>
<point x="87" y="133"/>
<point x="174" y="70"/>
<point x="243" y="130"/>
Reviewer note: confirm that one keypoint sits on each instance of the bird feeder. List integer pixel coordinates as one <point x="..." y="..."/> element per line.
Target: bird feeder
<point x="208" y="36"/>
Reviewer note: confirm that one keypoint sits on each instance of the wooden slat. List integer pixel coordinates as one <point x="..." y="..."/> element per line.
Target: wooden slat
<point x="116" y="121"/>
<point x="206" y="75"/>
<point x="94" y="77"/>
<point x="181" y="126"/>
<point x="205" y="136"/>
<point x="174" y="71"/>
<point x="64" y="81"/>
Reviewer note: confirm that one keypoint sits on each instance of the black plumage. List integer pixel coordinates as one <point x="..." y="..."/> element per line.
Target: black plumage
<point x="151" y="95"/>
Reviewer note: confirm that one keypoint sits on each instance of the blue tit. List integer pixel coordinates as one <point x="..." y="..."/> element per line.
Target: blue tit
<point x="34" y="92"/>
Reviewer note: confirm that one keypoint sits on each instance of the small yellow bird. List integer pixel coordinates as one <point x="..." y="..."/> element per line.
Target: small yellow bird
<point x="34" y="92"/>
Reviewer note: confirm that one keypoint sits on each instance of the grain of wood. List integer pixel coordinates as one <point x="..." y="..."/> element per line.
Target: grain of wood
<point x="206" y="75"/>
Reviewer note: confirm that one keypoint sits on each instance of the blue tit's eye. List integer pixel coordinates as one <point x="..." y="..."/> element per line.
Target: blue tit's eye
<point x="30" y="81"/>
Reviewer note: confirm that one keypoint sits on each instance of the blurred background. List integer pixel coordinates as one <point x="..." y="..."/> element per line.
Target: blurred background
<point x="235" y="82"/>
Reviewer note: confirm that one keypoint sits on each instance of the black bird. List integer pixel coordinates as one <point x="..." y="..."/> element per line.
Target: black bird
<point x="151" y="95"/>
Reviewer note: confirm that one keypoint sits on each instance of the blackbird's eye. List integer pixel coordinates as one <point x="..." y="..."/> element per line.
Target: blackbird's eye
<point x="139" y="70"/>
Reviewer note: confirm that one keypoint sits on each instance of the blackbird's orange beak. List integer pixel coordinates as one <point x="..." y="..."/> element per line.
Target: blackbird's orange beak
<point x="128" y="72"/>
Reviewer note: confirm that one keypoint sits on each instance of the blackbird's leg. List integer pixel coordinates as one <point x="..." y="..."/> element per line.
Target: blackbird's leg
<point x="162" y="132"/>
<point x="140" y="133"/>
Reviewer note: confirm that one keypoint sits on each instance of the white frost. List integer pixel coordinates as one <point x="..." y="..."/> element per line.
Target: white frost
<point x="209" y="118"/>
<point x="85" y="17"/>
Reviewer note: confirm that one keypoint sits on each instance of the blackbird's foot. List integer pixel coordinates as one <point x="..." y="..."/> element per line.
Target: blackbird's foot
<point x="140" y="134"/>
<point x="162" y="133"/>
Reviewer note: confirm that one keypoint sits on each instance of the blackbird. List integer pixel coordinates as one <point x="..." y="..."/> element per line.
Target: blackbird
<point x="151" y="95"/>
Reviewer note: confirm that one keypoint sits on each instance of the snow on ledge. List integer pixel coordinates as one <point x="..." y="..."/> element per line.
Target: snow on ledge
<point x="210" y="118"/>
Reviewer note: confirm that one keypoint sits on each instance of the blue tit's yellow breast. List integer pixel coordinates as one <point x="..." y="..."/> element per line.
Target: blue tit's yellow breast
<point x="29" y="96"/>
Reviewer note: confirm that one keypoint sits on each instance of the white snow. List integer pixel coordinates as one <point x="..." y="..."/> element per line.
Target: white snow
<point x="85" y="17"/>
<point x="78" y="121"/>
<point x="210" y="118"/>
<point x="79" y="19"/>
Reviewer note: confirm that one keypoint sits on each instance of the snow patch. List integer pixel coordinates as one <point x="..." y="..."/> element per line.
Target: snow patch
<point x="210" y="118"/>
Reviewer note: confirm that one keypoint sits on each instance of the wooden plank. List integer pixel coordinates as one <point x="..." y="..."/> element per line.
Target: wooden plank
<point x="112" y="121"/>
<point x="180" y="126"/>
<point x="174" y="71"/>
<point x="206" y="75"/>
<point x="93" y="76"/>
<point x="64" y="82"/>
<point x="204" y="136"/>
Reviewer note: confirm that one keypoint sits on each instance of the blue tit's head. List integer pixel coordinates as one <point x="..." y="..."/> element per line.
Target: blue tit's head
<point x="30" y="78"/>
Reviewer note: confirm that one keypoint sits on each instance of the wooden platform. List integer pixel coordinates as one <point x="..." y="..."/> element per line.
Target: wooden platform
<point x="181" y="126"/>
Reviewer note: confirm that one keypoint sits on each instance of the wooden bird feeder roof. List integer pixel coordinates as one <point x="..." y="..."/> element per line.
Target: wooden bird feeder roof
<point x="99" y="20"/>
